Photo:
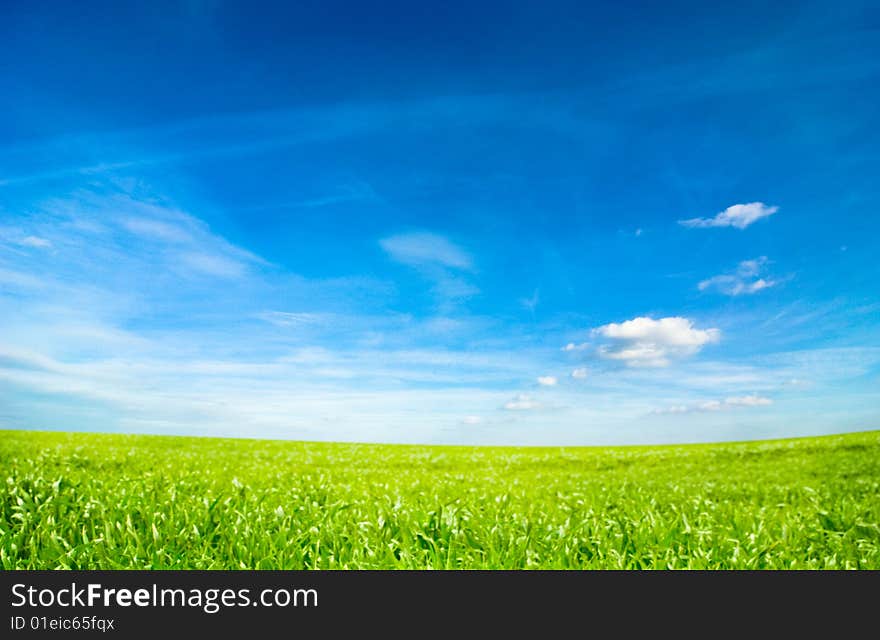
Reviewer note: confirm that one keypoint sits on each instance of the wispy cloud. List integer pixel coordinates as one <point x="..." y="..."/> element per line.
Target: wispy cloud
<point x="547" y="381"/>
<point x="531" y="303"/>
<point x="442" y="262"/>
<point x="738" y="216"/>
<point x="227" y="135"/>
<point x="580" y="373"/>
<point x="424" y="248"/>
<point x="21" y="280"/>
<point x="644" y="341"/>
<point x="745" y="280"/>
<point x="355" y="191"/>
<point x="452" y="287"/>
<point x="35" y="242"/>
<point x="144" y="229"/>
<point x="293" y="319"/>
<point x="748" y="401"/>
<point x="19" y="238"/>
<point x="213" y="264"/>
<point x="156" y="229"/>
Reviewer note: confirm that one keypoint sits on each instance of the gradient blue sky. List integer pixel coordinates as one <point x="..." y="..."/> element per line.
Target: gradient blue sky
<point x="542" y="223"/>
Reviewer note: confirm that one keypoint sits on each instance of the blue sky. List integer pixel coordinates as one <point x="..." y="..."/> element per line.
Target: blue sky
<point x="541" y="223"/>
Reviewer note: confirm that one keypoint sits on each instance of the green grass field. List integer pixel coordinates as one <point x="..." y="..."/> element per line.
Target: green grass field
<point x="84" y="501"/>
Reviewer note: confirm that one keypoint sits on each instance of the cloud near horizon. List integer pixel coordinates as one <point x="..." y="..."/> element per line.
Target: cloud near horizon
<point x="717" y="405"/>
<point x="521" y="402"/>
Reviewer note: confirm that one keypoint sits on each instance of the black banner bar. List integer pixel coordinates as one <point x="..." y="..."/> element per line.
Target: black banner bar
<point x="161" y="603"/>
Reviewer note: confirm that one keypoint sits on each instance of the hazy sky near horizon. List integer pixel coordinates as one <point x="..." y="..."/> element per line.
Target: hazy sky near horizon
<point x="475" y="223"/>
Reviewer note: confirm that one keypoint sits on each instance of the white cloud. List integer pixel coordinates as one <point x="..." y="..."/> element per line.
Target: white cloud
<point x="471" y="420"/>
<point x="571" y="346"/>
<point x="547" y="381"/>
<point x="644" y="341"/>
<point x="579" y="373"/>
<point x="638" y="355"/>
<point x="673" y="331"/>
<point x="423" y="248"/>
<point x="521" y="402"/>
<point x="744" y="280"/>
<point x="717" y="405"/>
<point x="738" y="216"/>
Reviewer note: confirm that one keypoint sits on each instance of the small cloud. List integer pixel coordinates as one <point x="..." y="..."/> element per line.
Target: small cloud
<point x="749" y="268"/>
<point x="530" y="303"/>
<point x="571" y="346"/>
<point x="579" y="373"/>
<point x="647" y="342"/>
<point x="521" y="402"/>
<point x="738" y="216"/>
<point x="471" y="420"/>
<point x="743" y="281"/>
<point x="451" y="287"/>
<point x="547" y="381"/>
<point x="35" y="242"/>
<point x="423" y="248"/>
